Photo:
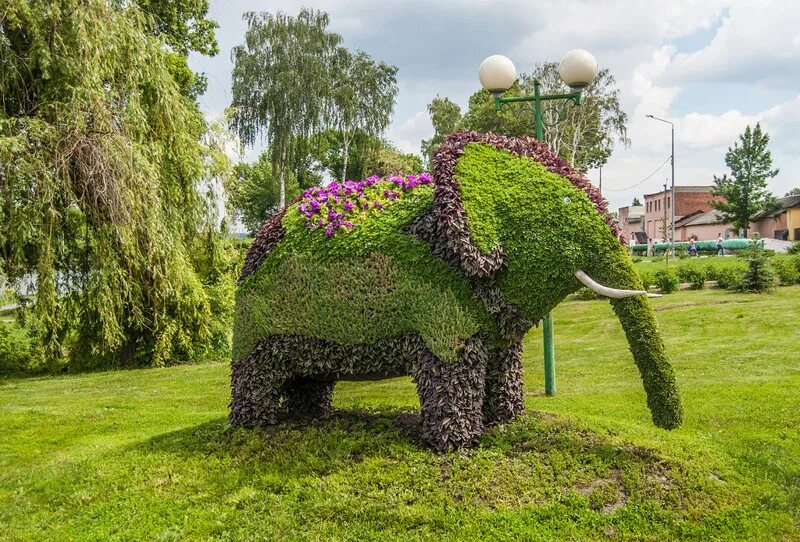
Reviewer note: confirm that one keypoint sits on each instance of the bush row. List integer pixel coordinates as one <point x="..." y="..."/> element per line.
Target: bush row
<point x="728" y="273"/>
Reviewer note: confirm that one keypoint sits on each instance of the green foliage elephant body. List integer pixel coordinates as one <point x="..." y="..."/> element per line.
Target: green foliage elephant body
<point x="440" y="281"/>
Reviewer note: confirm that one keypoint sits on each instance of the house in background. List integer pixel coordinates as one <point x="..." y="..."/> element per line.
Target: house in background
<point x="695" y="216"/>
<point x="702" y="226"/>
<point x="688" y="200"/>
<point x="782" y="223"/>
<point x="631" y="220"/>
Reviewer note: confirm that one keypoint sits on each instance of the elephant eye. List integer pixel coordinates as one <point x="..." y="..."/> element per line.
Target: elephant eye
<point x="567" y="200"/>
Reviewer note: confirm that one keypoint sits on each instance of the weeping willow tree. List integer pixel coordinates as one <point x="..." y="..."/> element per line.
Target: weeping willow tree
<point x="102" y="160"/>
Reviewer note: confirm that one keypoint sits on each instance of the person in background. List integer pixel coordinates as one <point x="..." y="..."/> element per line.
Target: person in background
<point x="720" y="252"/>
<point x="693" y="247"/>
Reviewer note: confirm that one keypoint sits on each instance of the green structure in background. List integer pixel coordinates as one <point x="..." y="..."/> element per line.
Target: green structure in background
<point x="709" y="246"/>
<point x="497" y="73"/>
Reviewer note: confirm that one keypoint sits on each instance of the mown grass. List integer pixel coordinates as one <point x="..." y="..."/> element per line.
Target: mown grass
<point x="148" y="455"/>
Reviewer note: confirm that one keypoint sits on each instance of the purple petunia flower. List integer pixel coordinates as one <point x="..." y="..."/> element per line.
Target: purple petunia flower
<point x="332" y="202"/>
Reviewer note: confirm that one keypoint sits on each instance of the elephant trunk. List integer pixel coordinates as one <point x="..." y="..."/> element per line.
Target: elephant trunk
<point x="638" y="320"/>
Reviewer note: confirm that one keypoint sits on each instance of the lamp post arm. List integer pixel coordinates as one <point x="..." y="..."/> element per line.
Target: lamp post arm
<point x="537" y="100"/>
<point x="575" y="97"/>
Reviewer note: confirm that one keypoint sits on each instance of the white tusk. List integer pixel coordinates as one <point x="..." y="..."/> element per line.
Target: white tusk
<point x="605" y="291"/>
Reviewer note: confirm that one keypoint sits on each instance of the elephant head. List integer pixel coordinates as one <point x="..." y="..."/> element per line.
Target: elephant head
<point x="539" y="226"/>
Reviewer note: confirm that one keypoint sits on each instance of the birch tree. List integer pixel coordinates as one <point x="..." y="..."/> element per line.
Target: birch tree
<point x="281" y="82"/>
<point x="363" y="96"/>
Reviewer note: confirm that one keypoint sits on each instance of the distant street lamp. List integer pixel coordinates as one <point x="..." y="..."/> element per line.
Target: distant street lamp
<point x="497" y="74"/>
<point x="672" y="159"/>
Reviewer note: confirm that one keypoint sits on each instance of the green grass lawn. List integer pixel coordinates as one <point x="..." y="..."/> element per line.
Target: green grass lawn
<point x="148" y="455"/>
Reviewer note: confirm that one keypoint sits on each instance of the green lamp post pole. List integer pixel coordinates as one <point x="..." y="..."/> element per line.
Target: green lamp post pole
<point x="497" y="73"/>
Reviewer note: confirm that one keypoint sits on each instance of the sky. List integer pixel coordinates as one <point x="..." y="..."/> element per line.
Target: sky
<point x="711" y="67"/>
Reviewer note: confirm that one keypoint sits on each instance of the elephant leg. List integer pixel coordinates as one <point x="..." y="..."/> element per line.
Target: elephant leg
<point x="503" y="401"/>
<point x="256" y="386"/>
<point x="451" y="396"/>
<point x="307" y="397"/>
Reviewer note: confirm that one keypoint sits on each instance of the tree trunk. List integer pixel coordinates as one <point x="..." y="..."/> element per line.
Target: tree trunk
<point x="346" y="145"/>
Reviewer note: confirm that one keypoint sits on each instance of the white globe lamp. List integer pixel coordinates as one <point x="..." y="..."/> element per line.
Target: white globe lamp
<point x="497" y="73"/>
<point x="577" y="68"/>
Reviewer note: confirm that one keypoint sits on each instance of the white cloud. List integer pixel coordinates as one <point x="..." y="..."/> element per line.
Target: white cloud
<point x="757" y="42"/>
<point x="411" y="132"/>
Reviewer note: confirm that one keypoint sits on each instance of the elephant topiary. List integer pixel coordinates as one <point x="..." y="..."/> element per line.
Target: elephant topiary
<point x="435" y="277"/>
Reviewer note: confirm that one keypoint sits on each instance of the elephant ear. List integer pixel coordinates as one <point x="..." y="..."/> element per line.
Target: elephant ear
<point x="452" y="220"/>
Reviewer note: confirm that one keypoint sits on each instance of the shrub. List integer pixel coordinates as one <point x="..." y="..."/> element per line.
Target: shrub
<point x="728" y="277"/>
<point x="586" y="294"/>
<point x="795" y="248"/>
<point x="712" y="271"/>
<point x="15" y="357"/>
<point x="666" y="280"/>
<point x="786" y="269"/>
<point x="758" y="277"/>
<point x="647" y="279"/>
<point x="695" y="276"/>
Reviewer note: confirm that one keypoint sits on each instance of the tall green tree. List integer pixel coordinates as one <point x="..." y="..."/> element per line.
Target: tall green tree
<point x="745" y="190"/>
<point x="794" y="191"/>
<point x="363" y="94"/>
<point x="101" y="161"/>
<point x="584" y="135"/>
<point x="445" y="118"/>
<point x="255" y="191"/>
<point x="185" y="27"/>
<point x="636" y="202"/>
<point x="281" y="83"/>
<point x="389" y="160"/>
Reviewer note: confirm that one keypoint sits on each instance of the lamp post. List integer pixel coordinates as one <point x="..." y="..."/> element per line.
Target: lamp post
<point x="672" y="159"/>
<point x="497" y="73"/>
